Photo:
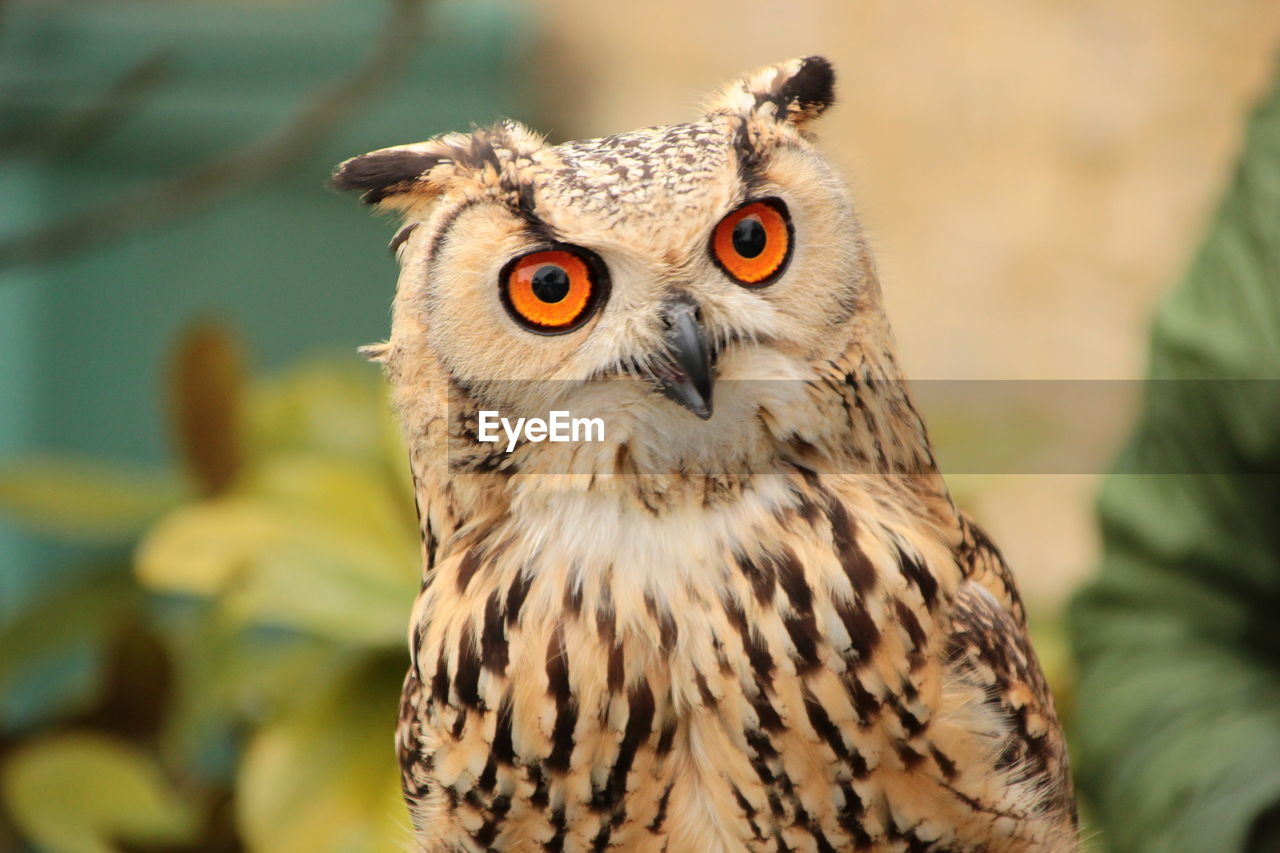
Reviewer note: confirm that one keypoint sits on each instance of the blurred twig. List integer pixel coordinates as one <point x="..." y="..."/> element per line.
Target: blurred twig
<point x="76" y="129"/>
<point x="225" y="173"/>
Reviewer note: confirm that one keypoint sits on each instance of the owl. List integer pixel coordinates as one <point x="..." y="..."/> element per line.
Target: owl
<point x="746" y="614"/>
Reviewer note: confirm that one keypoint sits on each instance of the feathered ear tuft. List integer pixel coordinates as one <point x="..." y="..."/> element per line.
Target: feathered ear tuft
<point x="796" y="91"/>
<point x="390" y="175"/>
<point x="406" y="176"/>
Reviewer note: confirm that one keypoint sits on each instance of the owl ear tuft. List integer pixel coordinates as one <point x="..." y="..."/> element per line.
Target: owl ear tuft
<point x="796" y="91"/>
<point x="405" y="176"/>
<point x="396" y="177"/>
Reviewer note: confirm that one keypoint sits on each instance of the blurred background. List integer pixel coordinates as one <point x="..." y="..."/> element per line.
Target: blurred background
<point x="187" y="437"/>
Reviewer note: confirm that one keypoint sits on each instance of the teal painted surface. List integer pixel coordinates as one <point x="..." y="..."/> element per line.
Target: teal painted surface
<point x="291" y="266"/>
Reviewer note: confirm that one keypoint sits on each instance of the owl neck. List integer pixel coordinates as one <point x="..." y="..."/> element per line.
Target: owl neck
<point x="862" y="428"/>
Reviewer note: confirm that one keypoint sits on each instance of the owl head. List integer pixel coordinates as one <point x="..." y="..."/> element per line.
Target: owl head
<point x="664" y="279"/>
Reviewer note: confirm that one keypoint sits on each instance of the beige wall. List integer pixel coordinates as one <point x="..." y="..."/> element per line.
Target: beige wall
<point x="1032" y="174"/>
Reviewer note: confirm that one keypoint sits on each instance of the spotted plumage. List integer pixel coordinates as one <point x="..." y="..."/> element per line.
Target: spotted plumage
<point x="750" y="619"/>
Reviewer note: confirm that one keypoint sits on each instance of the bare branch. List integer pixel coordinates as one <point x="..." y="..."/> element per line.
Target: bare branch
<point x="73" y="130"/>
<point x="226" y="173"/>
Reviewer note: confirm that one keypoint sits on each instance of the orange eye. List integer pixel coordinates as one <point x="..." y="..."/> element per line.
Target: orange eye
<point x="553" y="290"/>
<point x="753" y="244"/>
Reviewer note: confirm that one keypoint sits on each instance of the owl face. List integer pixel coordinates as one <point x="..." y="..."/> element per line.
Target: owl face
<point x="637" y="275"/>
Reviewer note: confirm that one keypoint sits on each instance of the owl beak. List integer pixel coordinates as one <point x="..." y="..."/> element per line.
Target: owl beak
<point x="686" y="377"/>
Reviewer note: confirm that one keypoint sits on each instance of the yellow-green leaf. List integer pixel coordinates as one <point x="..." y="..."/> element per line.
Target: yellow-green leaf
<point x="330" y="408"/>
<point x="313" y="544"/>
<point x="227" y="677"/>
<point x="79" y="793"/>
<point x="84" y="499"/>
<point x="324" y="778"/>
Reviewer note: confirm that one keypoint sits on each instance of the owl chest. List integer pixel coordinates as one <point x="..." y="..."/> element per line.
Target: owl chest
<point x="772" y="695"/>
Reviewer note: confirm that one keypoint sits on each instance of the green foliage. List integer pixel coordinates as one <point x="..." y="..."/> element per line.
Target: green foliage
<point x="85" y="499"/>
<point x="270" y="592"/>
<point x="79" y="792"/>
<point x="355" y="803"/>
<point x="303" y="541"/>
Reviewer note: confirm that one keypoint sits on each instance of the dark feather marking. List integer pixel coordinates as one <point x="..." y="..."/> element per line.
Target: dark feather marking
<point x="666" y="739"/>
<point x="805" y="822"/>
<point x="502" y="750"/>
<point x="827" y="730"/>
<point x="493" y="639"/>
<point x="911" y="724"/>
<point x="606" y="619"/>
<point x="419" y="636"/>
<point x="573" y="595"/>
<point x="497" y="813"/>
<point x="561" y="827"/>
<point x="919" y="576"/>
<point x="761" y="577"/>
<point x="459" y="724"/>
<point x="945" y="764"/>
<point x="467" y="569"/>
<point x="850" y="817"/>
<point x="910" y="758"/>
<point x="858" y="568"/>
<point x="466" y="680"/>
<point x="667" y="631"/>
<point x="805" y="635"/>
<point x="764" y="751"/>
<point x="791" y="576"/>
<point x="775" y="806"/>
<point x="808" y="508"/>
<point x="562" y="739"/>
<point x="864" y="636"/>
<point x="489" y="776"/>
<point x="748" y="811"/>
<point x="516" y="595"/>
<point x="617" y="669"/>
<point x="639" y="727"/>
<point x="661" y="817"/>
<point x="752" y="643"/>
<point x="704" y="689"/>
<point x="864" y="701"/>
<point x="858" y="765"/>
<point x="540" y="797"/>
<point x="919" y="640"/>
<point x="566" y="707"/>
<point x="440" y="680"/>
<point x="769" y="719"/>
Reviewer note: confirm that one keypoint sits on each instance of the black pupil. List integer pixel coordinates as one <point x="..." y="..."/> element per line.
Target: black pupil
<point x="749" y="237"/>
<point x="550" y="283"/>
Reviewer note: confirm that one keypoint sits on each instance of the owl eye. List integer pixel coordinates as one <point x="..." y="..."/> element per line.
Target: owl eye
<point x="753" y="244"/>
<point x="553" y="290"/>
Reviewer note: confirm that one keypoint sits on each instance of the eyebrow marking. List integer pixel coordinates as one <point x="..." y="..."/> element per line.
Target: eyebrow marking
<point x="401" y="236"/>
<point x="445" y="226"/>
